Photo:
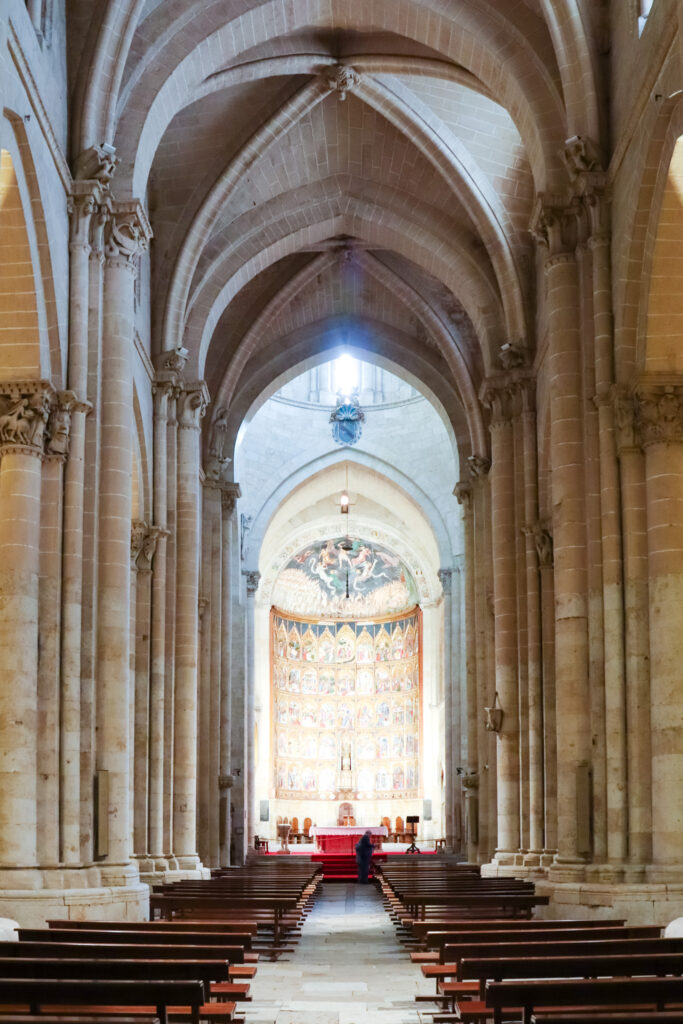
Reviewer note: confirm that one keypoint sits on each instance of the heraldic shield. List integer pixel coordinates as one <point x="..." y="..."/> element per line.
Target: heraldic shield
<point x="347" y="422"/>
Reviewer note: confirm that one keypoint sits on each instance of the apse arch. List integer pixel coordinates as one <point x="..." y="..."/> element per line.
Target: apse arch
<point x="361" y="459"/>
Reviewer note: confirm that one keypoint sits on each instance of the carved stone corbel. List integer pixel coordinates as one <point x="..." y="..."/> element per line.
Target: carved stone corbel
<point x="479" y="466"/>
<point x="138" y="531"/>
<point x="127" y="234"/>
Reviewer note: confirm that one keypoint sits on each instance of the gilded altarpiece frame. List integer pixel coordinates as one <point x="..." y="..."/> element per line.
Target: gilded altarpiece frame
<point x="346" y="707"/>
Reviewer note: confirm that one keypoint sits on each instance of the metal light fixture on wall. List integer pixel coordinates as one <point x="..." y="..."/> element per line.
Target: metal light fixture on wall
<point x="494" y="715"/>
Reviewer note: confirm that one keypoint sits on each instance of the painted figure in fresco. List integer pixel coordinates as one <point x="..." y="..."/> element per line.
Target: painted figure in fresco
<point x="364" y="856"/>
<point x="328" y="748"/>
<point x="309" y="717"/>
<point x="398" y="778"/>
<point x="309" y="681"/>
<point x="294" y="679"/>
<point x="382" y="714"/>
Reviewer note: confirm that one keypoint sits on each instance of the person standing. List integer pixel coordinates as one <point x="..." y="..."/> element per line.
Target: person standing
<point x="364" y="856"/>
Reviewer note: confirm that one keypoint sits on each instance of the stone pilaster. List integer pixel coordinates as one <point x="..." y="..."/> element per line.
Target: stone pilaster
<point x="451" y="737"/>
<point x="24" y="408"/>
<point x="505" y="618"/>
<point x="556" y="232"/>
<point x="659" y="412"/>
<point x="637" y="640"/>
<point x="252" y="581"/>
<point x="142" y="703"/>
<point x="127" y="233"/>
<point x="229" y="574"/>
<point x="86" y="195"/>
<point x="463" y="492"/>
<point x="192" y="403"/>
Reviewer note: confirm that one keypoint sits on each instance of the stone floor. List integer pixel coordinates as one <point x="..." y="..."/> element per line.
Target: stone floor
<point x="348" y="968"/>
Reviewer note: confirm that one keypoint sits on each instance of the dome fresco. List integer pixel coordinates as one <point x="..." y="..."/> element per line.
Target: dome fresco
<point x="317" y="579"/>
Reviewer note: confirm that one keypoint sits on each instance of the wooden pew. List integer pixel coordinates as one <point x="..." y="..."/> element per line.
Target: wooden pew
<point x="592" y="966"/>
<point x="139" y="938"/>
<point x="576" y="947"/>
<point x="121" y="951"/>
<point x="38" y="992"/>
<point x="606" y="992"/>
<point x="598" y="1017"/>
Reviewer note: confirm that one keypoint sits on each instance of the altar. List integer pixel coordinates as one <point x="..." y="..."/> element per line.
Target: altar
<point x="343" y="838"/>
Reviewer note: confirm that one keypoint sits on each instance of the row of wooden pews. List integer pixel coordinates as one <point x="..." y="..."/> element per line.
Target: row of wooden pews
<point x="538" y="971"/>
<point x="194" y="967"/>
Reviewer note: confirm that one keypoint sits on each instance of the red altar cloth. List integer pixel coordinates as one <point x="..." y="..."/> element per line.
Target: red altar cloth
<point x="343" y="838"/>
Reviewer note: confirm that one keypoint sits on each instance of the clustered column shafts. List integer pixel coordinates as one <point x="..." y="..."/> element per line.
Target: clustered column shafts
<point x="659" y="412"/>
<point x="124" y="239"/>
<point x="502" y="478"/>
<point x="192" y="403"/>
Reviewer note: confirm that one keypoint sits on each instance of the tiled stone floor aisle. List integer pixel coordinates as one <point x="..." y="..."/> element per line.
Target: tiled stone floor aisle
<point x="348" y="968"/>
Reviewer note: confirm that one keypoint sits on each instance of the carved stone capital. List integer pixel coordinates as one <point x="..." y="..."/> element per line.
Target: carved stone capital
<point x="138" y="531"/>
<point x="625" y="425"/>
<point x="252" y="579"/>
<point x="463" y="493"/>
<point x="97" y="163"/>
<point x="446" y="580"/>
<point x="342" y="79"/>
<point x="58" y="432"/>
<point x="171" y="361"/>
<point x="470" y="783"/>
<point x="84" y="201"/>
<point x="659" y="414"/>
<point x="127" y="233"/>
<point x="581" y="156"/>
<point x="512" y="355"/>
<point x="24" y="413"/>
<point x="230" y="492"/>
<point x="479" y="466"/>
<point x="543" y="541"/>
<point x="191" y="405"/>
<point x="554" y="225"/>
<point x="149" y="547"/>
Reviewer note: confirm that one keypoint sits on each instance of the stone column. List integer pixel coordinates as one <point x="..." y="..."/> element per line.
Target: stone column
<point x="445" y="578"/>
<point x="533" y="605"/>
<point x="162" y="388"/>
<point x="192" y="404"/>
<point x="463" y="492"/>
<point x="485" y="680"/>
<point x="556" y="230"/>
<point x="231" y="492"/>
<point x="544" y="549"/>
<point x="89" y="600"/>
<point x="126" y="234"/>
<point x="252" y="580"/>
<point x="660" y="421"/>
<point x="137" y="533"/>
<point x="85" y="199"/>
<point x="49" y="629"/>
<point x="215" y="688"/>
<point x="599" y="243"/>
<point x="170" y="630"/>
<point x="637" y="639"/>
<point x="505" y="619"/>
<point x="23" y="414"/>
<point x="142" y="680"/>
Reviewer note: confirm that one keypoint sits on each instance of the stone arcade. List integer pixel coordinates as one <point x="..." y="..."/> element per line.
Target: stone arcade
<point x="203" y="206"/>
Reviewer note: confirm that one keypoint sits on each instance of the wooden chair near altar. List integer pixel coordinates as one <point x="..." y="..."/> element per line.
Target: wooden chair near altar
<point x="307" y="837"/>
<point x="294" y="834"/>
<point x="387" y="824"/>
<point x="399" y="833"/>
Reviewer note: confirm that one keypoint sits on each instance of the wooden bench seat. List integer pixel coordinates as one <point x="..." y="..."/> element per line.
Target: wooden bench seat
<point x="634" y="1017"/>
<point x="98" y="994"/>
<point x="206" y="971"/>
<point x="484" y="970"/>
<point x="452" y="953"/>
<point x="107" y="951"/>
<point x="615" y="993"/>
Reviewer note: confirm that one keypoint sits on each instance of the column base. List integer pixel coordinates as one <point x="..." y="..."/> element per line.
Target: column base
<point x="665" y="874"/>
<point x="564" y="869"/>
<point x="75" y="894"/>
<point x="607" y="874"/>
<point x="638" y="904"/>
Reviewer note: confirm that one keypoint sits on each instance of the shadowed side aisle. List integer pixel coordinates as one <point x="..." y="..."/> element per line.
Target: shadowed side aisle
<point x="348" y="968"/>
